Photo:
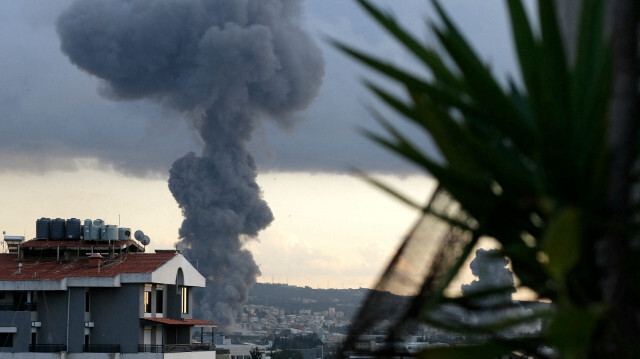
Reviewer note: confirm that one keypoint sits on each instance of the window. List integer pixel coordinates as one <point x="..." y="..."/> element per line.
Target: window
<point x="86" y="301"/>
<point x="185" y="300"/>
<point x="24" y="301"/>
<point x="147" y="302"/>
<point x="6" y="340"/>
<point x="159" y="299"/>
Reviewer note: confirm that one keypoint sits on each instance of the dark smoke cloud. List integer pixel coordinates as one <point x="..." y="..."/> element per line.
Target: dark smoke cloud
<point x="492" y="272"/>
<point x="223" y="63"/>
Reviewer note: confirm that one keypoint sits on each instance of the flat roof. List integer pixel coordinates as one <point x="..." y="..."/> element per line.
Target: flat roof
<point x="81" y="245"/>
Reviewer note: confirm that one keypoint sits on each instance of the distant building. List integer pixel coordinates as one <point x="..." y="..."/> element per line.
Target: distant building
<point x="238" y="351"/>
<point x="314" y="353"/>
<point x="66" y="298"/>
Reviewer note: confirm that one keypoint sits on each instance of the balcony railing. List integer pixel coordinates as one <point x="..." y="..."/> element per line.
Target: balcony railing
<point x="21" y="307"/>
<point x="148" y="348"/>
<point x="101" y="348"/>
<point x="47" y="348"/>
<point x="176" y="348"/>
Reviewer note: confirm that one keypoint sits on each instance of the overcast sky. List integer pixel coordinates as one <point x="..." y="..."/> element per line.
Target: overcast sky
<point x="64" y="147"/>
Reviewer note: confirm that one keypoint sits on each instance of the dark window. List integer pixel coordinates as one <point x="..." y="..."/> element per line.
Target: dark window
<point x="185" y="300"/>
<point x="19" y="301"/>
<point x="6" y="340"/>
<point x="86" y="340"/>
<point x="147" y="302"/>
<point x="33" y="338"/>
<point x="22" y="301"/>
<point x="159" y="301"/>
<point x="86" y="301"/>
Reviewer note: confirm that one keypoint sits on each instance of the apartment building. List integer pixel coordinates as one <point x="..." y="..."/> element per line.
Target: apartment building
<point x="87" y="298"/>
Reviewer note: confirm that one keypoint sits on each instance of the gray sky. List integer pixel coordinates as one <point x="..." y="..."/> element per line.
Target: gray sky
<point x="53" y="113"/>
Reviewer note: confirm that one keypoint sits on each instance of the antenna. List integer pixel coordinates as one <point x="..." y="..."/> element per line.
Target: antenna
<point x="142" y="238"/>
<point x="145" y="240"/>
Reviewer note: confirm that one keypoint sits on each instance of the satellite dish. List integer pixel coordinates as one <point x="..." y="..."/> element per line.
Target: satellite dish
<point x="139" y="235"/>
<point x="145" y="240"/>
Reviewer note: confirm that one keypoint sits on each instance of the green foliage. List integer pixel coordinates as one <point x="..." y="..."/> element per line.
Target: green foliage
<point x="255" y="353"/>
<point x="527" y="164"/>
<point x="304" y="341"/>
<point x="287" y="354"/>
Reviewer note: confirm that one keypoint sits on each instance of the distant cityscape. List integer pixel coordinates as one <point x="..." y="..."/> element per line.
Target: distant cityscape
<point x="282" y="311"/>
<point x="277" y="308"/>
<point x="330" y="325"/>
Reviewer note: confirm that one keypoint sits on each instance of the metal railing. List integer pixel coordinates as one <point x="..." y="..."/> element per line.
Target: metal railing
<point x="148" y="348"/>
<point x="101" y="348"/>
<point x="20" y="307"/>
<point x="176" y="348"/>
<point x="47" y="348"/>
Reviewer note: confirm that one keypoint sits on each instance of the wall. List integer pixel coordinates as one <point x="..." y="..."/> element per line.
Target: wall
<point x="22" y="322"/>
<point x="76" y="320"/>
<point x="52" y="313"/>
<point x="173" y="302"/>
<point x="116" y="314"/>
<point x="184" y="334"/>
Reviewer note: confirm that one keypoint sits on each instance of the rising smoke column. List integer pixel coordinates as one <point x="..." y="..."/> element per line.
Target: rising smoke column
<point x="223" y="64"/>
<point x="492" y="272"/>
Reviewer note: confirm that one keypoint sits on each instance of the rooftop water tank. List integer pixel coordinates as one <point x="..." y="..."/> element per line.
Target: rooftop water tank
<point x="57" y="229"/>
<point x="124" y="233"/>
<point x="95" y="230"/>
<point x="86" y="230"/>
<point x="94" y="233"/>
<point x="43" y="228"/>
<point x="110" y="233"/>
<point x="72" y="229"/>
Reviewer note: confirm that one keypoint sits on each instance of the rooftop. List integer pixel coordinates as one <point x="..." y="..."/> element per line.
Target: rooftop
<point x="81" y="244"/>
<point x="32" y="269"/>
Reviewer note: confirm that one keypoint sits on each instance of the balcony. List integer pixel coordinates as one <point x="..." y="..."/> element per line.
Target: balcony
<point x="176" y="348"/>
<point x="19" y="307"/>
<point x="101" y="348"/>
<point x="47" y="348"/>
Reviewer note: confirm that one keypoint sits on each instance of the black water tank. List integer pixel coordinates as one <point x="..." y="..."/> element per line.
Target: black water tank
<point x="57" y="229"/>
<point x="73" y="229"/>
<point x="43" y="228"/>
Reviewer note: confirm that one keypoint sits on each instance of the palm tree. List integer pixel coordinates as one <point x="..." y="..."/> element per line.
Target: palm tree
<point x="542" y="165"/>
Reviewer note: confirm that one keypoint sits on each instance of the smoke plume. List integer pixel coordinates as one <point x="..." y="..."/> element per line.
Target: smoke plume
<point x="224" y="64"/>
<point x="492" y="272"/>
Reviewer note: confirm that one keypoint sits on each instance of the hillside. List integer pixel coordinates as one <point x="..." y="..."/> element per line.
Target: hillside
<point x="292" y="298"/>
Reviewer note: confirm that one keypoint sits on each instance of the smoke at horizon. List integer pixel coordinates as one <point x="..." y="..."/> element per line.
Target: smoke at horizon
<point x="224" y="65"/>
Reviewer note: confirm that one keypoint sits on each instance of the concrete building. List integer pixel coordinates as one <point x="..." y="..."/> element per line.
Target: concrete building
<point x="239" y="351"/>
<point x="97" y="299"/>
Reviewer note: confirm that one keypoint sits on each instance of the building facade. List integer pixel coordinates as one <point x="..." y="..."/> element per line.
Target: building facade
<point x="93" y="299"/>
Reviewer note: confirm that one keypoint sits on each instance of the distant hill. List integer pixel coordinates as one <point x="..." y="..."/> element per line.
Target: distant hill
<point x="292" y="298"/>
